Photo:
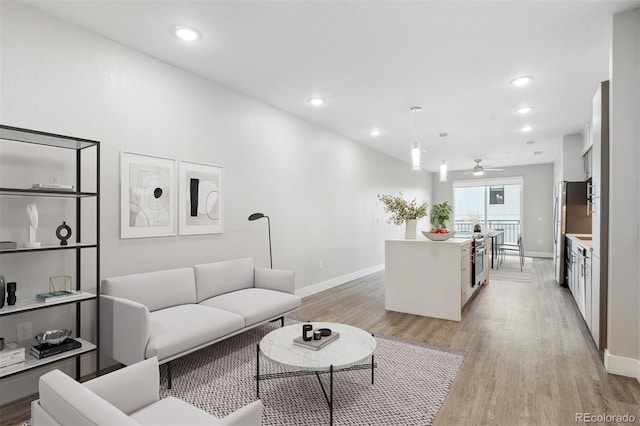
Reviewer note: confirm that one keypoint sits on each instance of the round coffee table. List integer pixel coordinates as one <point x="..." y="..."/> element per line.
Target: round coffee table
<point x="347" y="352"/>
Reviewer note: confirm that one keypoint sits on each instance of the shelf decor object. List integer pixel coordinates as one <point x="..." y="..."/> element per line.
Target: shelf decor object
<point x="63" y="232"/>
<point x="32" y="214"/>
<point x="148" y="196"/>
<point x="200" y="198"/>
<point x="84" y="160"/>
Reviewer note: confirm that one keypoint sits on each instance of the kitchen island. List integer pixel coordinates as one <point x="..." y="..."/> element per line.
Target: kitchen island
<point x="429" y="278"/>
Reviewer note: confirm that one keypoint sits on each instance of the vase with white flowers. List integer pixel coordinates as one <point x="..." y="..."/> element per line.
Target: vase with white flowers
<point x="403" y="211"/>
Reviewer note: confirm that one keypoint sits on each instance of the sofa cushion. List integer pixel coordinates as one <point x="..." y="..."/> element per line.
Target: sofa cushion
<point x="172" y="411"/>
<point x="182" y="328"/>
<point x="217" y="278"/>
<point x="155" y="290"/>
<point x="255" y="304"/>
<point x="70" y="403"/>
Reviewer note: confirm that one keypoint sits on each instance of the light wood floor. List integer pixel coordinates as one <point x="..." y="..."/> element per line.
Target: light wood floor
<point x="530" y="359"/>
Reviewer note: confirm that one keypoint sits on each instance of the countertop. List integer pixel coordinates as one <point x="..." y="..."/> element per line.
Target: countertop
<point x="580" y="239"/>
<point x="422" y="239"/>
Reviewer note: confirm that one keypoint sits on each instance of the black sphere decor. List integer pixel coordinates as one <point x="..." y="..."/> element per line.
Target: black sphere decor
<point x="63" y="232"/>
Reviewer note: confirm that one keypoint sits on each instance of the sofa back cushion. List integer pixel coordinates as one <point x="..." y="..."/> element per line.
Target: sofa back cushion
<point x="70" y="403"/>
<point x="155" y="290"/>
<point x="213" y="279"/>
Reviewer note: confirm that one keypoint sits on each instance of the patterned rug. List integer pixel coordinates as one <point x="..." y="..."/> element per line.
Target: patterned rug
<point x="509" y="270"/>
<point x="412" y="380"/>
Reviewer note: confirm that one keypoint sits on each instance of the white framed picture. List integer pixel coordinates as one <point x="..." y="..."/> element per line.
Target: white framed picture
<point x="201" y="204"/>
<point x="147" y="195"/>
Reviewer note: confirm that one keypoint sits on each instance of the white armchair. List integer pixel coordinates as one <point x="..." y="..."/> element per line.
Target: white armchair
<point x="129" y="396"/>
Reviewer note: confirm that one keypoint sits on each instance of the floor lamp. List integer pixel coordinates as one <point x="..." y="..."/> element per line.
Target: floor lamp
<point x="257" y="216"/>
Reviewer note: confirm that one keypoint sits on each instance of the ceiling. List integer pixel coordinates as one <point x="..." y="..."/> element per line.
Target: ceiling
<point x="373" y="60"/>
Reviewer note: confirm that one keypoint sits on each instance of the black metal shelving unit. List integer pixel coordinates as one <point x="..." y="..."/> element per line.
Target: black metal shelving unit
<point x="79" y="145"/>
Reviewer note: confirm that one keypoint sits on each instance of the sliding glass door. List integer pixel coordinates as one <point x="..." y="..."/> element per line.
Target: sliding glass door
<point x="493" y="203"/>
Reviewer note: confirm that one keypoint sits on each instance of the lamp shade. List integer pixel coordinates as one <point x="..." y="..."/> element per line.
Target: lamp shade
<point x="256" y="216"/>
<point x="443" y="171"/>
<point x="415" y="156"/>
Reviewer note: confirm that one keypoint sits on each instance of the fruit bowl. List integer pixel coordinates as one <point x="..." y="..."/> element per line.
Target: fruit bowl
<point x="433" y="236"/>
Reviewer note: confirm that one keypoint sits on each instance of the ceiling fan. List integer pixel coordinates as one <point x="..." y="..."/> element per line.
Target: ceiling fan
<point x="478" y="170"/>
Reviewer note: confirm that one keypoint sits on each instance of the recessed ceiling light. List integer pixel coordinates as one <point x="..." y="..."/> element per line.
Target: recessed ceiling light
<point x="374" y="132"/>
<point x="526" y="129"/>
<point x="521" y="81"/>
<point x="524" y="109"/>
<point x="316" y="101"/>
<point x="186" y="33"/>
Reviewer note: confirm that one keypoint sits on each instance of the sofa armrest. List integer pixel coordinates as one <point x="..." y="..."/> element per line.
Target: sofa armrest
<point x="274" y="279"/>
<point x="249" y="415"/>
<point x="124" y="329"/>
<point x="39" y="417"/>
<point x="131" y="388"/>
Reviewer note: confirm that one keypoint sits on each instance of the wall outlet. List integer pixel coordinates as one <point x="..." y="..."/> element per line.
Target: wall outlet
<point x="320" y="264"/>
<point x="24" y="331"/>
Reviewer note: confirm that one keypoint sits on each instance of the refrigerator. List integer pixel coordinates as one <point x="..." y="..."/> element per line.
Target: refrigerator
<point x="571" y="216"/>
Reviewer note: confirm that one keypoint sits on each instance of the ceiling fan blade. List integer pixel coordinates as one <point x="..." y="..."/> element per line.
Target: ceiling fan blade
<point x="493" y="170"/>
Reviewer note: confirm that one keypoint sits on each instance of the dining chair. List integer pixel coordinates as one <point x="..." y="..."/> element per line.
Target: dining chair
<point x="518" y="247"/>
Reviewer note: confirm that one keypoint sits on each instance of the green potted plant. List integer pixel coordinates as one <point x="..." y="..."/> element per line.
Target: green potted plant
<point x="440" y="214"/>
<point x="404" y="211"/>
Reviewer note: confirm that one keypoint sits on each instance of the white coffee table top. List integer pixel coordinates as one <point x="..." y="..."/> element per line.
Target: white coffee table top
<point x="353" y="346"/>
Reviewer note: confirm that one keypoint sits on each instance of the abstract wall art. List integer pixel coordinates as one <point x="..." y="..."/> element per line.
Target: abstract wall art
<point x="147" y="195"/>
<point x="201" y="198"/>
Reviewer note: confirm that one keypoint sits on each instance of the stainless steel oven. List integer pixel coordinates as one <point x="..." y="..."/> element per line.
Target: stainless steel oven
<point x="479" y="252"/>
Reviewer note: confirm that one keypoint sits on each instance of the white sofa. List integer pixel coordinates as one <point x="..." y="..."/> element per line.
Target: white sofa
<point x="170" y="313"/>
<point x="129" y="396"/>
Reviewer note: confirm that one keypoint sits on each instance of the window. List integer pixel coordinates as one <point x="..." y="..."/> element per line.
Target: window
<point x="493" y="203"/>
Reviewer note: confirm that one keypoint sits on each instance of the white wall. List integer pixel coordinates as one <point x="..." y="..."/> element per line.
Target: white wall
<point x="319" y="188"/>
<point x="537" y="214"/>
<point x="623" y="354"/>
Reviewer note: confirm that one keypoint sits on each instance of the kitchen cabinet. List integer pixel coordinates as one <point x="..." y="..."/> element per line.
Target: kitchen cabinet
<point x="466" y="272"/>
<point x="578" y="284"/>
<point x="585" y="286"/>
<point x="595" y="300"/>
<point x="428" y="278"/>
<point x="599" y="214"/>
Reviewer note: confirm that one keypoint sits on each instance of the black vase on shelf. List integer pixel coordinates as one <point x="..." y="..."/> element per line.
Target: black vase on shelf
<point x="11" y="293"/>
<point x="2" y="291"/>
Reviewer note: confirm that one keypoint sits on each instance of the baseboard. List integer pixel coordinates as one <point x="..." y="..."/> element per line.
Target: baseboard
<point x="538" y="254"/>
<point x="334" y="282"/>
<point x="628" y="367"/>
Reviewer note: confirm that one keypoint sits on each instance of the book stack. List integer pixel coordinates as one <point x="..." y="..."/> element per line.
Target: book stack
<point x="52" y="186"/>
<point x="316" y="344"/>
<point x="47" y="349"/>
<point x="11" y="354"/>
<point x="55" y="296"/>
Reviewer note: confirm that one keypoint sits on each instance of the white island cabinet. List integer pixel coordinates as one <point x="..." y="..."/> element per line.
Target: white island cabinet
<point x="429" y="278"/>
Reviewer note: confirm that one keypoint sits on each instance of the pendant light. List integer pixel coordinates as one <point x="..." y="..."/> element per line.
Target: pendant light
<point x="415" y="147"/>
<point x="443" y="166"/>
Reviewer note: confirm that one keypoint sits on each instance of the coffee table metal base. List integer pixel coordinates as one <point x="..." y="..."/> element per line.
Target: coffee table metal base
<point x="327" y="396"/>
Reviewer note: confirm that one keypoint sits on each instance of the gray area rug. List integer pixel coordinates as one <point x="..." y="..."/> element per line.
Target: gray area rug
<point x="412" y="380"/>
